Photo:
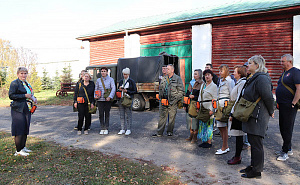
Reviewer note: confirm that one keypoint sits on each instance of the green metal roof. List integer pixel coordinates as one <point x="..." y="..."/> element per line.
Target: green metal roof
<point x="228" y="8"/>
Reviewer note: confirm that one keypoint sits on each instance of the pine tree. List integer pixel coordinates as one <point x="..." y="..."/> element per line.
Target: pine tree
<point x="46" y="81"/>
<point x="66" y="77"/>
<point x="56" y="81"/>
<point x="34" y="79"/>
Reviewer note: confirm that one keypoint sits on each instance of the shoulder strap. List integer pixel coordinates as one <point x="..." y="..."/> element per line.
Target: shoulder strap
<point x="202" y="92"/>
<point x="103" y="84"/>
<point x="288" y="88"/>
<point x="87" y="97"/>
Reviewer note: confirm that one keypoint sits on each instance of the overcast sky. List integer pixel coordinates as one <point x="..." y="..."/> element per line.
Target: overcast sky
<point x="48" y="27"/>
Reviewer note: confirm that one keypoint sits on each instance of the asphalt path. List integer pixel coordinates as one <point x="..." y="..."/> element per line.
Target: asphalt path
<point x="192" y="164"/>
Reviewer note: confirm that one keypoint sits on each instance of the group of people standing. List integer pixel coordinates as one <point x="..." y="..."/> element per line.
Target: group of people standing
<point x="213" y="98"/>
<point x="87" y="95"/>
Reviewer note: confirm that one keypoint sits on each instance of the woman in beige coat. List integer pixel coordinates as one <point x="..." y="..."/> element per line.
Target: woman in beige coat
<point x="208" y="92"/>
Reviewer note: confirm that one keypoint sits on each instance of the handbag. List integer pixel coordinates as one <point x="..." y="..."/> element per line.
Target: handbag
<point x="244" y="109"/>
<point x="192" y="109"/>
<point x="203" y="113"/>
<point x="126" y="101"/>
<point x="106" y="91"/>
<point x="76" y="109"/>
<point x="91" y="110"/>
<point x="291" y="90"/>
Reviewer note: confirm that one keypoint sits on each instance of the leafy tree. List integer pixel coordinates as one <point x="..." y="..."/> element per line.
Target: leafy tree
<point x="46" y="81"/>
<point x="34" y="79"/>
<point x="66" y="77"/>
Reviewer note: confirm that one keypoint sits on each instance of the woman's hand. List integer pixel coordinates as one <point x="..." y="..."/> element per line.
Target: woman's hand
<point x="92" y="106"/>
<point x="108" y="99"/>
<point x="273" y="115"/>
<point x="230" y="118"/>
<point x="210" y="112"/>
<point x="191" y="96"/>
<point x="75" y="105"/>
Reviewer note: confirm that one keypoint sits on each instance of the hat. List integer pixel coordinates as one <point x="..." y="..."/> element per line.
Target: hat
<point x="246" y="64"/>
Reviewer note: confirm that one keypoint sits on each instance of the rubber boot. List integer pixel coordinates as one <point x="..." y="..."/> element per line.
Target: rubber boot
<point x="194" y="139"/>
<point x="191" y="136"/>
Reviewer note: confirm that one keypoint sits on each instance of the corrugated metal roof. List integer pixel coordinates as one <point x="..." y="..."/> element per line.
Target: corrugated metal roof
<point x="230" y="8"/>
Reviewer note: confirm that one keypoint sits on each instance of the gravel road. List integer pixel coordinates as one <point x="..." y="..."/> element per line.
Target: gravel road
<point x="192" y="164"/>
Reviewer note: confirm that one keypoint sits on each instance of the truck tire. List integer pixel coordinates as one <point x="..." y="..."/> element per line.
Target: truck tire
<point x="138" y="103"/>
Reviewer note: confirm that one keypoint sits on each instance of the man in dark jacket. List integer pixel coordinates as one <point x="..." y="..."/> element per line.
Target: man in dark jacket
<point x="287" y="95"/>
<point x="170" y="89"/>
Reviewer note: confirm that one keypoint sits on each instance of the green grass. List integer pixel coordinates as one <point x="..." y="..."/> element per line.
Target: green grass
<point x="46" y="97"/>
<point x="53" y="164"/>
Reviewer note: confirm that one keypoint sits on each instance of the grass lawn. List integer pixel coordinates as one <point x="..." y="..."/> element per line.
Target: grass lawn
<point x="47" y="97"/>
<point x="53" y="164"/>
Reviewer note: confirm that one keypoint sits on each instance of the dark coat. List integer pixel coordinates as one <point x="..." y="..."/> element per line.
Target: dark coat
<point x="17" y="94"/>
<point x="132" y="87"/>
<point x="90" y="89"/>
<point x="259" y="85"/>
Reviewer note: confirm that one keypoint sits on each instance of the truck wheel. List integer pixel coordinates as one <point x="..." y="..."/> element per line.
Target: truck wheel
<point x="138" y="102"/>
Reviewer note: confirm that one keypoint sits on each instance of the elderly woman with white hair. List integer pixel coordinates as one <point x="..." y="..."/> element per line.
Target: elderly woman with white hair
<point x="257" y="88"/>
<point x="128" y="88"/>
<point x="84" y="94"/>
<point x="21" y="92"/>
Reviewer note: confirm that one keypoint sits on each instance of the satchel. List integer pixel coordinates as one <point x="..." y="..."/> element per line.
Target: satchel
<point x="244" y="109"/>
<point x="126" y="101"/>
<point x="192" y="109"/>
<point x="106" y="91"/>
<point x="220" y="116"/>
<point x="92" y="110"/>
<point x="227" y="109"/>
<point x="203" y="114"/>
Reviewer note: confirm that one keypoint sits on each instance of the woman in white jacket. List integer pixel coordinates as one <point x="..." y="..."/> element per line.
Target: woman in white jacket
<point x="208" y="92"/>
<point x="234" y="125"/>
<point x="224" y="89"/>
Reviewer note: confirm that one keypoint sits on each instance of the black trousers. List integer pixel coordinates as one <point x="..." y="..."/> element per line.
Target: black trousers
<point x="83" y="113"/>
<point x="287" y="116"/>
<point x="104" y="112"/>
<point x="257" y="152"/>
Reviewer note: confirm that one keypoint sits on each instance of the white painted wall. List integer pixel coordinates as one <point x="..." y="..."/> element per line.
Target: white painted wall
<point x="201" y="46"/>
<point x="132" y="46"/>
<point x="296" y="41"/>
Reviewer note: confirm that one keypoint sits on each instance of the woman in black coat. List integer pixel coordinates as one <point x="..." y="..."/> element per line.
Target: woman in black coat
<point x="259" y="85"/>
<point x="20" y="91"/>
<point x="86" y="86"/>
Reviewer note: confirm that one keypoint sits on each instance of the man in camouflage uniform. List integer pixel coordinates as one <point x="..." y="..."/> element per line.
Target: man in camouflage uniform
<point x="170" y="88"/>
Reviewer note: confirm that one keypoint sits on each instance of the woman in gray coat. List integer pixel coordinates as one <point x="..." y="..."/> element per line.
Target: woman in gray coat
<point x="258" y="85"/>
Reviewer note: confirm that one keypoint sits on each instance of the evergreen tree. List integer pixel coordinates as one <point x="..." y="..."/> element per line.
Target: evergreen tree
<point x="46" y="81"/>
<point x="66" y="77"/>
<point x="34" y="79"/>
<point x="56" y="81"/>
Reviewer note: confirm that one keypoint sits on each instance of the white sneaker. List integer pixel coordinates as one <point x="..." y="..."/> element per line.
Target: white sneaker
<point x="128" y="132"/>
<point x="101" y="132"/>
<point x="21" y="153"/>
<point x="105" y="132"/>
<point x="121" y="132"/>
<point x="220" y="151"/>
<point x="79" y="132"/>
<point x="86" y="132"/>
<point x="26" y="150"/>
<point x="283" y="157"/>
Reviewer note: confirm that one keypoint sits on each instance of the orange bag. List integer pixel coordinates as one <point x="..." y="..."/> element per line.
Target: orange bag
<point x="33" y="108"/>
<point x="214" y="102"/>
<point x="98" y="93"/>
<point x="225" y="103"/>
<point x="164" y="102"/>
<point x="157" y="96"/>
<point x="198" y="105"/>
<point x="119" y="94"/>
<point x="186" y="100"/>
<point x="80" y="100"/>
